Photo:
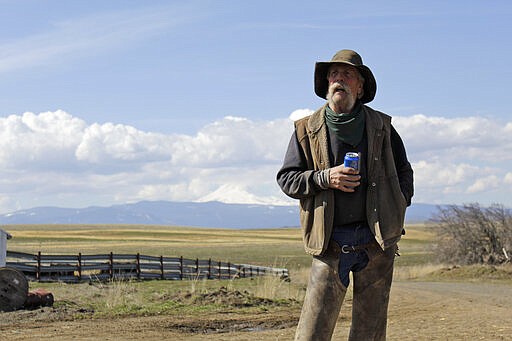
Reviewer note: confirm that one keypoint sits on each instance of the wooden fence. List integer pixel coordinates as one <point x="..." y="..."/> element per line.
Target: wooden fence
<point x="78" y="268"/>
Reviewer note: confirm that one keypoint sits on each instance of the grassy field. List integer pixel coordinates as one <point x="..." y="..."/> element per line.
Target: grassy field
<point x="267" y="247"/>
<point x="280" y="247"/>
<point x="262" y="308"/>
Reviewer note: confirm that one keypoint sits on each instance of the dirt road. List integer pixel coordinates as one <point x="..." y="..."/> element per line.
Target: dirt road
<point x="418" y="311"/>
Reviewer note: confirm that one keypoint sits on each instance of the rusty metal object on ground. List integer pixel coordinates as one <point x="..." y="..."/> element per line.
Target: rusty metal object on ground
<point x="13" y="289"/>
<point x="38" y="298"/>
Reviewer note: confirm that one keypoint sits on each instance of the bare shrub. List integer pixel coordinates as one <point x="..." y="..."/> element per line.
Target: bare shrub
<point x="474" y="235"/>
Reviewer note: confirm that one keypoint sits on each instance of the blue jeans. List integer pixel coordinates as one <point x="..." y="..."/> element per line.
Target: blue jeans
<point x="352" y="235"/>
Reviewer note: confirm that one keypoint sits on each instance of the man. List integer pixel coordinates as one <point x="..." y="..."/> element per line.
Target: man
<point x="352" y="219"/>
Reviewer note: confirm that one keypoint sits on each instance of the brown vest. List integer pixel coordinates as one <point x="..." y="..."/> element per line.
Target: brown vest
<point x="385" y="203"/>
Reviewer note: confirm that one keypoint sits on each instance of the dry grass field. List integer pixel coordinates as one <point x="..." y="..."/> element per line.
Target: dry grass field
<point x="429" y="301"/>
<point x="239" y="246"/>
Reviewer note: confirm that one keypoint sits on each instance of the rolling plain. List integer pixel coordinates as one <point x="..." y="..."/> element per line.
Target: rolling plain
<point x="429" y="301"/>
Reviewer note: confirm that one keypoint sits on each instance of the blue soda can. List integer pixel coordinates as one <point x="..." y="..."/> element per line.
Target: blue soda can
<point x="351" y="160"/>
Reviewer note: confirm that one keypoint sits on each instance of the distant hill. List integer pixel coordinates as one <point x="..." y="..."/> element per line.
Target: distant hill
<point x="207" y="214"/>
<point x="420" y="213"/>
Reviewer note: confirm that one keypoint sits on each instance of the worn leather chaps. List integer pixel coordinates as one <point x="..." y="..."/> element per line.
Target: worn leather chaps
<point x="325" y="294"/>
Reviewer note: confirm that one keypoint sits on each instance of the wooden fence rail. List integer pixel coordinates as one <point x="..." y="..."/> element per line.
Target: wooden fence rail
<point x="78" y="268"/>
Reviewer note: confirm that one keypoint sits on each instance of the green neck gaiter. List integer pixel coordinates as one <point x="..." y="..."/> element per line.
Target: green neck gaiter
<point x="348" y="128"/>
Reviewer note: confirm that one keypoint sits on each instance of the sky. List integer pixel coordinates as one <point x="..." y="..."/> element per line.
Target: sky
<point x="111" y="102"/>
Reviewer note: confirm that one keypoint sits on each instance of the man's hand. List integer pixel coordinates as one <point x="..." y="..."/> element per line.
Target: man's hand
<point x="344" y="178"/>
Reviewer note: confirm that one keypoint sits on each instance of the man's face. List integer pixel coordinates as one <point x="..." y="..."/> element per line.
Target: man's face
<point x="345" y="86"/>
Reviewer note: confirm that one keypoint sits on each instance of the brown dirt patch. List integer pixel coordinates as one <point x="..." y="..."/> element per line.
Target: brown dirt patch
<point x="418" y="311"/>
<point x="233" y="298"/>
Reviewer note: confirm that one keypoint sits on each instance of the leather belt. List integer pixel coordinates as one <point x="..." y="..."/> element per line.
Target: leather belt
<point x="354" y="248"/>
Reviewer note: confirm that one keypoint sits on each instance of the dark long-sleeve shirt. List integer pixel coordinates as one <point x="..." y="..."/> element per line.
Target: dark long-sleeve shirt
<point x="350" y="207"/>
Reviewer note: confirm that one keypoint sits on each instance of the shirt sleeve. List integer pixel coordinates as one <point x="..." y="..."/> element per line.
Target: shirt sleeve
<point x="294" y="177"/>
<point x="403" y="167"/>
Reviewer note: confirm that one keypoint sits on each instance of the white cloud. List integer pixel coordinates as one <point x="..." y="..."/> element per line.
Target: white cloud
<point x="508" y="127"/>
<point x="441" y="174"/>
<point x="42" y="140"/>
<point x="483" y="184"/>
<point x="101" y="143"/>
<point x="300" y="113"/>
<point x="508" y="178"/>
<point x="233" y="142"/>
<point x="471" y="138"/>
<point x="54" y="158"/>
<point x="457" y="160"/>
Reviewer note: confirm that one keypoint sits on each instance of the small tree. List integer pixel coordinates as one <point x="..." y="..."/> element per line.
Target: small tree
<point x="474" y="235"/>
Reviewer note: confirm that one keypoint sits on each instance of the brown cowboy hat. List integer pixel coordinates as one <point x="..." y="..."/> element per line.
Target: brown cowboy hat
<point x="346" y="57"/>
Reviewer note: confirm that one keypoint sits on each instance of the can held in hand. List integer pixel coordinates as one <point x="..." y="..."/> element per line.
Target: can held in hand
<point x="352" y="160"/>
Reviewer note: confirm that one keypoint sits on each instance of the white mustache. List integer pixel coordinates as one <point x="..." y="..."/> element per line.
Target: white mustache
<point x="339" y="86"/>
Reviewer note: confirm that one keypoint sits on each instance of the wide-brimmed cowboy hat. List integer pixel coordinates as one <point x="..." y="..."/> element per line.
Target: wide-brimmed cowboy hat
<point x="346" y="57"/>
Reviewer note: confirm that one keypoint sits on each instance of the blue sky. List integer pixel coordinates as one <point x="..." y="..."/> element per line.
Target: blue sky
<point x="105" y="102"/>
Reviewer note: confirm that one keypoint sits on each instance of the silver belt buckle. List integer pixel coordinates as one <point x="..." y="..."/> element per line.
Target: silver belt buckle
<point x="347" y="248"/>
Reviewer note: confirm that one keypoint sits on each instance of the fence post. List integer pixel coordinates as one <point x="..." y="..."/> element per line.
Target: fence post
<point x="181" y="267"/>
<point x="111" y="265"/>
<point x="161" y="267"/>
<point x="219" y="274"/>
<point x="137" y="265"/>
<point x="79" y="266"/>
<point x="229" y="270"/>
<point x="197" y="267"/>
<point x="209" y="268"/>
<point x="4" y="236"/>
<point x="38" y="269"/>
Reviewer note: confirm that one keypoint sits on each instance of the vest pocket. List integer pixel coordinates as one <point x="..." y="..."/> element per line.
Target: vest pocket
<point x="391" y="205"/>
<point x="316" y="218"/>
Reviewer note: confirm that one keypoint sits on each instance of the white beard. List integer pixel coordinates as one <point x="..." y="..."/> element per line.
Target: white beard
<point x="340" y="105"/>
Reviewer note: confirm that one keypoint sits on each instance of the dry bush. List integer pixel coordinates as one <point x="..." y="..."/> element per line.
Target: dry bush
<point x="472" y="234"/>
<point x="116" y="294"/>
